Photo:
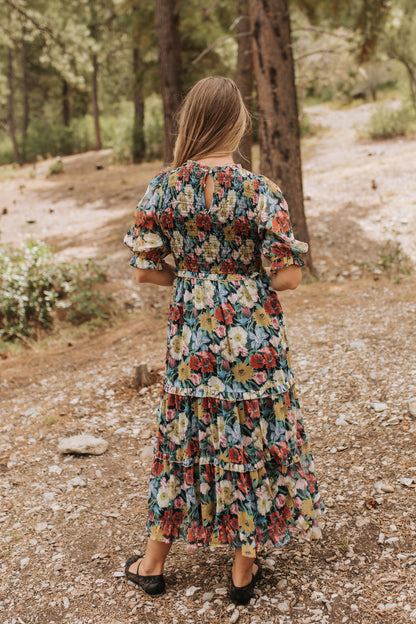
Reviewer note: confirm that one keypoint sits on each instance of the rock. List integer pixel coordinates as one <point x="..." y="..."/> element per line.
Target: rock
<point x="147" y="453"/>
<point x="191" y="591"/>
<point x="379" y="407"/>
<point x="24" y="563"/>
<point x="76" y="482"/>
<point x="234" y="616"/>
<point x="48" y="497"/>
<point x="341" y="421"/>
<point x="407" y="481"/>
<point x="382" y="486"/>
<point x="41" y="526"/>
<point x="394" y="420"/>
<point x="412" y="407"/>
<point x="207" y="597"/>
<point x="283" y="606"/>
<point x="55" y="470"/>
<point x="83" y="445"/>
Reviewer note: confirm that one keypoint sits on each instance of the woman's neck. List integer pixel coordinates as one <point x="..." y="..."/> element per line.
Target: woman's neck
<point x="216" y="160"/>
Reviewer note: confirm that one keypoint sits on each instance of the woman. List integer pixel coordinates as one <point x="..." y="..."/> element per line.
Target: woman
<point x="232" y="465"/>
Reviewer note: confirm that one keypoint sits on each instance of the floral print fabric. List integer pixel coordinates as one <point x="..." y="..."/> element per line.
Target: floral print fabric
<point x="232" y="463"/>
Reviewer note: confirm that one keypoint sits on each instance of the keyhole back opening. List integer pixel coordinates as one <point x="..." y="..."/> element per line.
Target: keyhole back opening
<point x="208" y="191"/>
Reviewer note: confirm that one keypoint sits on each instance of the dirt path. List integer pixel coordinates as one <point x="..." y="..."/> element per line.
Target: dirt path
<point x="68" y="523"/>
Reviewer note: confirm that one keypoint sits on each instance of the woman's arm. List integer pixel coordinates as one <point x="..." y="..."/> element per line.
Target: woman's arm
<point x="159" y="278"/>
<point x="287" y="278"/>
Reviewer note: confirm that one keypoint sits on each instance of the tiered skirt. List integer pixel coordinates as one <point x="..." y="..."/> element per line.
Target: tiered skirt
<point x="232" y="473"/>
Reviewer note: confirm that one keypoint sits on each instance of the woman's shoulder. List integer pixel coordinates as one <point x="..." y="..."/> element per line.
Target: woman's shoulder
<point x="263" y="183"/>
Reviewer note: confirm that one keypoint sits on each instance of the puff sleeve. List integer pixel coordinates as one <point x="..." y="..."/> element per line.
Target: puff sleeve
<point x="275" y="230"/>
<point x="146" y="239"/>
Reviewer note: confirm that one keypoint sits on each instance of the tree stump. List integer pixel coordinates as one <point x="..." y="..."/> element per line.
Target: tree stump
<point x="142" y="376"/>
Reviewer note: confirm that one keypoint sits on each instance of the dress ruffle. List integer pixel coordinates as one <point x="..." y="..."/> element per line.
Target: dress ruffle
<point x="238" y="475"/>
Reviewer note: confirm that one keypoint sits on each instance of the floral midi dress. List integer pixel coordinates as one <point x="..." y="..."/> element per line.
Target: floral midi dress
<point x="232" y="464"/>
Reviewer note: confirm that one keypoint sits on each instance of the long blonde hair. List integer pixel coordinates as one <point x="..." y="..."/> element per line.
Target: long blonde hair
<point x="212" y="120"/>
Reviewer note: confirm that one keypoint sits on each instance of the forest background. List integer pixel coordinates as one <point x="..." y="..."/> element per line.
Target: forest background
<point x="85" y="74"/>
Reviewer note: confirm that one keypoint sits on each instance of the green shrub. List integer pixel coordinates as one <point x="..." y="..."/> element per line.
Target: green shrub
<point x="6" y="150"/>
<point x="34" y="287"/>
<point x="387" y="122"/>
<point x="56" y="167"/>
<point x="394" y="261"/>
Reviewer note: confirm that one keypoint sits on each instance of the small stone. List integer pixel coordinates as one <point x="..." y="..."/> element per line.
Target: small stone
<point x="77" y="482"/>
<point x="282" y="584"/>
<point x="234" y="616"/>
<point x="207" y="597"/>
<point x="55" y="470"/>
<point x="407" y="481"/>
<point x="24" y="563"/>
<point x="191" y="591"/>
<point x="412" y="407"/>
<point x="382" y="486"/>
<point x="381" y="538"/>
<point x="204" y="609"/>
<point x="48" y="497"/>
<point x="269" y="563"/>
<point x="147" y="453"/>
<point x="341" y="421"/>
<point x="83" y="445"/>
<point x="118" y="574"/>
<point x="283" y="606"/>
<point x="379" y="407"/>
<point x="41" y="526"/>
<point x="394" y="420"/>
<point x="221" y="591"/>
<point x="392" y="540"/>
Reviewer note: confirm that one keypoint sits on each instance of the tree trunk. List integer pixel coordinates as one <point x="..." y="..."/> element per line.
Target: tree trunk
<point x="139" y="146"/>
<point x="244" y="77"/>
<point x="25" y="78"/>
<point x="167" y="20"/>
<point x="279" y="135"/>
<point x="96" y="113"/>
<point x="66" y="109"/>
<point x="10" y="112"/>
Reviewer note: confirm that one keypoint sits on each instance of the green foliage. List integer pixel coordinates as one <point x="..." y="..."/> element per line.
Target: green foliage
<point x="394" y="261"/>
<point x="388" y="122"/>
<point x="56" y="167"/>
<point x="309" y="129"/>
<point x="35" y="288"/>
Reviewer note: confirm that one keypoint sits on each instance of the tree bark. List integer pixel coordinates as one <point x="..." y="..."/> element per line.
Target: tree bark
<point x="66" y="108"/>
<point x="280" y="157"/>
<point x="167" y="21"/>
<point x="95" y="109"/>
<point x="25" y="86"/>
<point x="244" y="78"/>
<point x="139" y="145"/>
<point x="10" y="112"/>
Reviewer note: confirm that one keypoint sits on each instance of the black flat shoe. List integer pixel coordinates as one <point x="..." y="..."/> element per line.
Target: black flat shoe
<point x="243" y="595"/>
<point x="152" y="585"/>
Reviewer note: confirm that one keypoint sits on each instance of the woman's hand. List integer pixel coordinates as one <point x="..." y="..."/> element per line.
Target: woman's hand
<point x="287" y="278"/>
<point x="164" y="277"/>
